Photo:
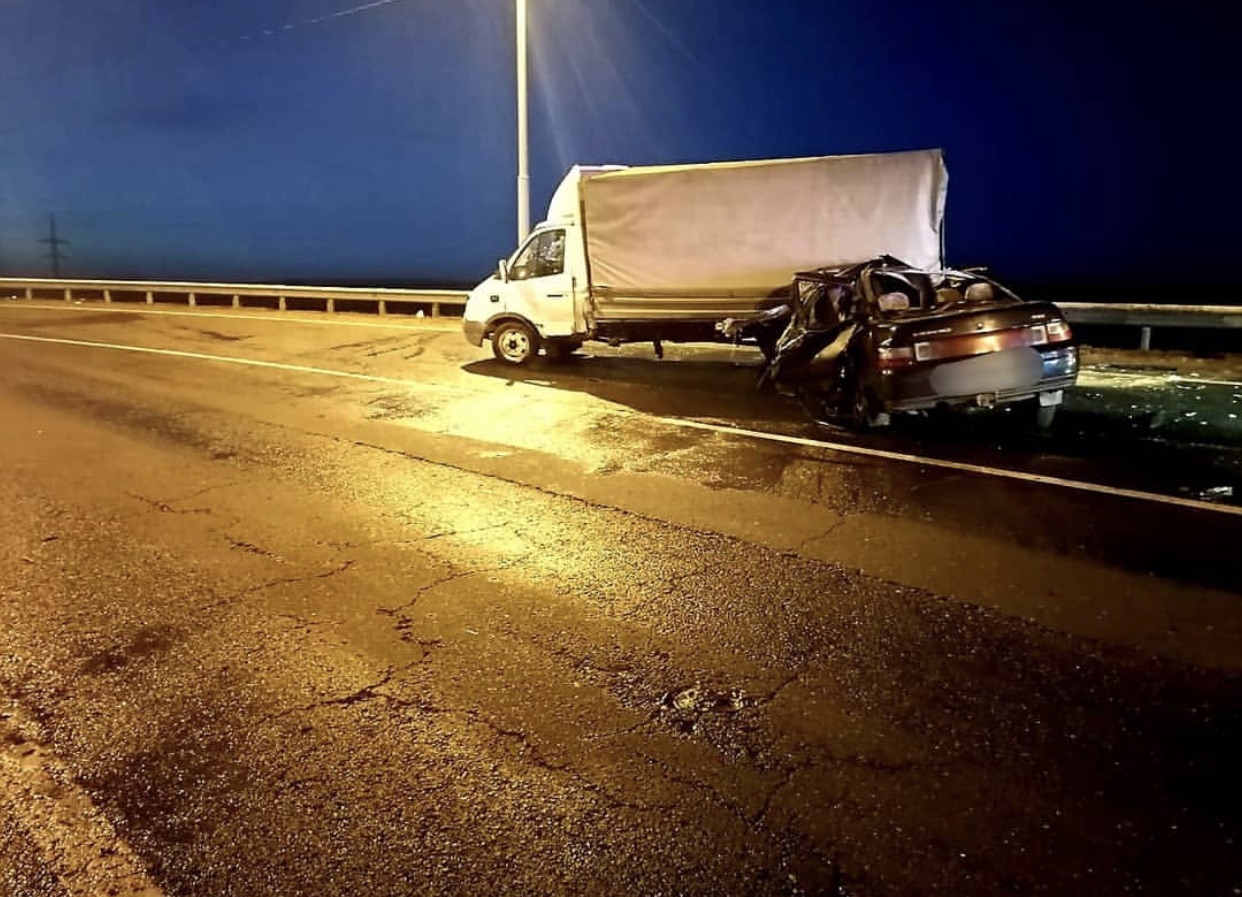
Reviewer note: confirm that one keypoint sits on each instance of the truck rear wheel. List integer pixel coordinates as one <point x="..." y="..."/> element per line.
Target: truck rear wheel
<point x="514" y="342"/>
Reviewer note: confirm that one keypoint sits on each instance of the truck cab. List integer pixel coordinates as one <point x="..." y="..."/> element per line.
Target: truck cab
<point x="535" y="297"/>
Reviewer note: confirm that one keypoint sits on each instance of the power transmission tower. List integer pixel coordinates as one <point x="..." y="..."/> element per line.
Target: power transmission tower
<point x="54" y="243"/>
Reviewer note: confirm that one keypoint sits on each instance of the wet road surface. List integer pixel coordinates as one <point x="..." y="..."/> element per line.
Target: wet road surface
<point x="439" y="629"/>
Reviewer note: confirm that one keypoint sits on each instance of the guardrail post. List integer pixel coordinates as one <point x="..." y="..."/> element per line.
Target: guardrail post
<point x="435" y="309"/>
<point x="150" y="298"/>
<point x="107" y="295"/>
<point x="236" y="301"/>
<point x="283" y="305"/>
<point x="68" y="294"/>
<point x="193" y="300"/>
<point x="29" y="292"/>
<point x="1145" y="339"/>
<point x="383" y="306"/>
<point x="331" y="305"/>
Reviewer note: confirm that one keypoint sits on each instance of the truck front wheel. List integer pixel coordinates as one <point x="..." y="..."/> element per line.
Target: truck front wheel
<point x="514" y="342"/>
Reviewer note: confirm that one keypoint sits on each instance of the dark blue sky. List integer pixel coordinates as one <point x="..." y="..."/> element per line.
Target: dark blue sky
<point x="237" y="139"/>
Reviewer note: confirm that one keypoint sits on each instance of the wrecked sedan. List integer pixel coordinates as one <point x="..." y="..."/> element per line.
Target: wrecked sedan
<point x="859" y="343"/>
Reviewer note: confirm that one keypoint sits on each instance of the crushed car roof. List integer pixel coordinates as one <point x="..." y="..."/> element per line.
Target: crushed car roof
<point x="887" y="263"/>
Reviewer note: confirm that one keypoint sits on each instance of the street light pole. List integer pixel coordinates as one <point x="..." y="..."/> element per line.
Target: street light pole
<point x="523" y="176"/>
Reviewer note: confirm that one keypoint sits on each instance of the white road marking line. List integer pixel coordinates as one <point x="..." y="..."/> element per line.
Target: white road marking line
<point x="229" y="359"/>
<point x="1179" y="378"/>
<point x="998" y="472"/>
<point x="75" y="839"/>
<point x="1140" y="379"/>
<point x="1021" y="476"/>
<point x="1087" y="376"/>
<point x="1116" y="380"/>
<point x="138" y="308"/>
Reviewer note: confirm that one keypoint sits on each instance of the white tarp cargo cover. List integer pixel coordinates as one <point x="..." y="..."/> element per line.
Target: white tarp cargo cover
<point x="749" y="226"/>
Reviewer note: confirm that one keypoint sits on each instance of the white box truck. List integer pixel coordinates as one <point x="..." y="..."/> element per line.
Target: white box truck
<point x="667" y="252"/>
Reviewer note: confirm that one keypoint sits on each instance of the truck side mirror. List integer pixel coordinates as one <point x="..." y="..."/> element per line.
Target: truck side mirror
<point x="502" y="270"/>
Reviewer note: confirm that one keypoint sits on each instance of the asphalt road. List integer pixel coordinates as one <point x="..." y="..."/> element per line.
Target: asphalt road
<point x="374" y="616"/>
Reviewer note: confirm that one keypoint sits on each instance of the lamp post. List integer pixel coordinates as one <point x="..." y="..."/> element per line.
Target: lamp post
<point x="523" y="176"/>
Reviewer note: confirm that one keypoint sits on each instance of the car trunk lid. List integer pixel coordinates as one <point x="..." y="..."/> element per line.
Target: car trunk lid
<point x="958" y="332"/>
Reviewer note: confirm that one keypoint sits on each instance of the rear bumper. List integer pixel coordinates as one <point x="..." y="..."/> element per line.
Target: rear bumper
<point x="913" y="390"/>
<point x="983" y="400"/>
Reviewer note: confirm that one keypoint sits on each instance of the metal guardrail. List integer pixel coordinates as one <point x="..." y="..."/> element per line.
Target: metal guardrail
<point x="240" y="295"/>
<point x="1149" y="315"/>
<point x="1146" y="316"/>
<point x="436" y="302"/>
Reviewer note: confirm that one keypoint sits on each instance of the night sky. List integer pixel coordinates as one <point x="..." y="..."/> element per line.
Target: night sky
<point x="302" y="140"/>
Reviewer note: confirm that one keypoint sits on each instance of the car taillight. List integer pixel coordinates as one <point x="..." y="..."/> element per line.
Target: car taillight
<point x="891" y="359"/>
<point x="1059" y="331"/>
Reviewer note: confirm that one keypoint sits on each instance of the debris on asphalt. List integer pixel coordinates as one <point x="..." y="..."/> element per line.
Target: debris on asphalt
<point x="1216" y="492"/>
<point x="701" y="700"/>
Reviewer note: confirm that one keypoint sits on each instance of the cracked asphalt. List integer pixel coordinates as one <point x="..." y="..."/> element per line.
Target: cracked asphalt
<point x="266" y="631"/>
